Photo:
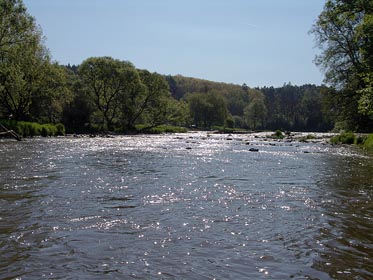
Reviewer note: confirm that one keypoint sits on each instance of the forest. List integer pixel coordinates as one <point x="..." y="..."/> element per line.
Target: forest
<point x="104" y="94"/>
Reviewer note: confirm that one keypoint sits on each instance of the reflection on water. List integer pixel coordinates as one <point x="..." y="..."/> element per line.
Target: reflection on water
<point x="347" y="237"/>
<point x="188" y="206"/>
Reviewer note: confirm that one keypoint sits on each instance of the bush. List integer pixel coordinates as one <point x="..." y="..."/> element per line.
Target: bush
<point x="60" y="129"/>
<point x="31" y="129"/>
<point x="230" y="123"/>
<point x="360" y="140"/>
<point x="368" y="143"/>
<point x="160" y="129"/>
<point x="344" y="138"/>
<point x="27" y="129"/>
<point x="278" y="134"/>
<point x="307" y="137"/>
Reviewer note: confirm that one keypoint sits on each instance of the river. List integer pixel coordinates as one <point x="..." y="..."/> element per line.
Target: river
<point x="184" y="206"/>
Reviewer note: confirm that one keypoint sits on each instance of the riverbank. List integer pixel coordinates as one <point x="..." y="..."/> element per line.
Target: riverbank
<point x="31" y="129"/>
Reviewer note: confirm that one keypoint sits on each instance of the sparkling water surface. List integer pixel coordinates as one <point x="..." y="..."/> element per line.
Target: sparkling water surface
<point x="184" y="206"/>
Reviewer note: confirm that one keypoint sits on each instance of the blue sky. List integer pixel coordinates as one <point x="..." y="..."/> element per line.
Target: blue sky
<point x="257" y="42"/>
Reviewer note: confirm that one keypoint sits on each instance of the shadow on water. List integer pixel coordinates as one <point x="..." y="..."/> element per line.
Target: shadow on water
<point x="346" y="239"/>
<point x="20" y="185"/>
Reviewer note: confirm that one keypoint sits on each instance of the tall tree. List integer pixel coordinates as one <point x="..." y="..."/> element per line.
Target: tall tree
<point x="106" y="81"/>
<point x="17" y="27"/>
<point x="344" y="32"/>
<point x="23" y="59"/>
<point x="207" y="109"/>
<point x="256" y="112"/>
<point x="53" y="96"/>
<point x="148" y="103"/>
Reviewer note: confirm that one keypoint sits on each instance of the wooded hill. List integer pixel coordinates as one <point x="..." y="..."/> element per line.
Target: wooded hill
<point x="288" y="107"/>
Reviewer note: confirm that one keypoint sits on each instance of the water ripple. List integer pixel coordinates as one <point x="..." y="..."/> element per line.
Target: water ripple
<point x="184" y="206"/>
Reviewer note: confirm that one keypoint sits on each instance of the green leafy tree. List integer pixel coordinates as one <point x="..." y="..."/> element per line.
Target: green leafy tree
<point x="149" y="103"/>
<point x="77" y="111"/>
<point x="23" y="60"/>
<point x="106" y="81"/>
<point x="344" y="32"/>
<point x="17" y="27"/>
<point x="256" y="112"/>
<point x="47" y="106"/>
<point x="158" y="106"/>
<point x="207" y="109"/>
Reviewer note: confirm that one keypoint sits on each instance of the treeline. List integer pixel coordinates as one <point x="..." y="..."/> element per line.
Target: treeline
<point x="109" y="94"/>
<point x="101" y="94"/>
<point x="298" y="108"/>
<point x="106" y="94"/>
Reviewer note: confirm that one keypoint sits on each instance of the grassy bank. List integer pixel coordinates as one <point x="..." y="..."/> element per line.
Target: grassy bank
<point x="349" y="138"/>
<point x="368" y="143"/>
<point x="31" y="129"/>
<point x="161" y="129"/>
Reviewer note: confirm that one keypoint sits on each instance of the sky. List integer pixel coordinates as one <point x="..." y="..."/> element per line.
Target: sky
<point x="257" y="42"/>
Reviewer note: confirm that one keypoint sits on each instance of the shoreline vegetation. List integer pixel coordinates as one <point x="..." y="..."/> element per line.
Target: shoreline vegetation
<point x="103" y="95"/>
<point x="33" y="129"/>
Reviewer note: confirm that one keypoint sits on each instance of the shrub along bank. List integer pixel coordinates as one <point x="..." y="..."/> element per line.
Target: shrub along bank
<point x="30" y="129"/>
<point x="365" y="141"/>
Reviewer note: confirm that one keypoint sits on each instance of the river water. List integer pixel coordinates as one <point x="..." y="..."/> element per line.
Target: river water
<point x="184" y="206"/>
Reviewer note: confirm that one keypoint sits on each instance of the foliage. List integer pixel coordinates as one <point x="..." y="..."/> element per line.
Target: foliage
<point x="31" y="129"/>
<point x="344" y="138"/>
<point x="122" y="96"/>
<point x="104" y="93"/>
<point x="364" y="141"/>
<point x="360" y="139"/>
<point x="296" y="108"/>
<point x="31" y="87"/>
<point x="77" y="114"/>
<point x="299" y="108"/>
<point x="368" y="143"/>
<point x="160" y="129"/>
<point x="107" y="81"/>
<point x="207" y="109"/>
<point x="278" y="135"/>
<point x="156" y="107"/>
<point x="256" y="112"/>
<point x="223" y="129"/>
<point x="344" y="32"/>
<point x="307" y="137"/>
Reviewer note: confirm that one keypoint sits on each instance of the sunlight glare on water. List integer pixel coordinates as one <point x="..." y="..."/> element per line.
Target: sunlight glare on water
<point x="184" y="206"/>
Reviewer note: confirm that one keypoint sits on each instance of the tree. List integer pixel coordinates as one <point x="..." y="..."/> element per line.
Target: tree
<point x="255" y="113"/>
<point x="365" y="30"/>
<point x="344" y="32"/>
<point x="150" y="103"/>
<point x="54" y="95"/>
<point x="207" y="109"/>
<point x="311" y="105"/>
<point x="23" y="60"/>
<point x="17" y="27"/>
<point x="107" y="81"/>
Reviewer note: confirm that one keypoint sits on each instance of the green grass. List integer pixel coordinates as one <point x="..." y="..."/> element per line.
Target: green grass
<point x="344" y="138"/>
<point x="307" y="137"/>
<point x="364" y="141"/>
<point x="278" y="135"/>
<point x="368" y="143"/>
<point x="31" y="129"/>
<point x="161" y="129"/>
